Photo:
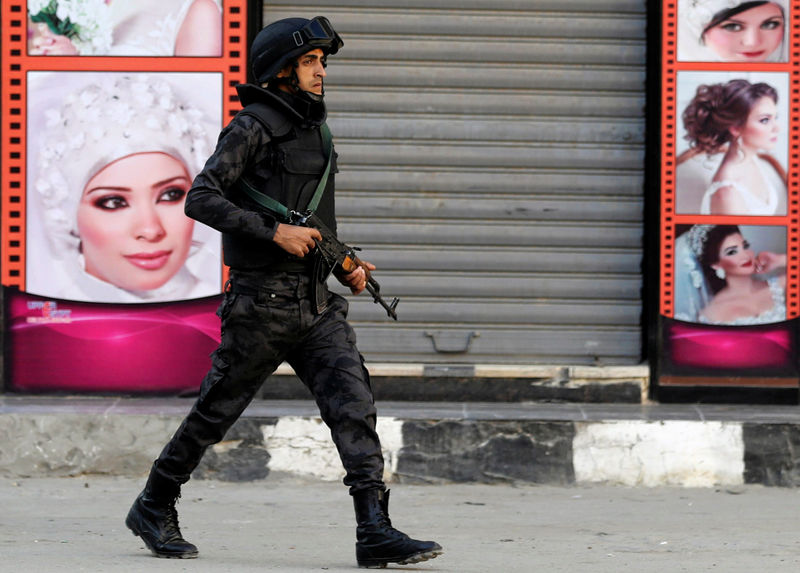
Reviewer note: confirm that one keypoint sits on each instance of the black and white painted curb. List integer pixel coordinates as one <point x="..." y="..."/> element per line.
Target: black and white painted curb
<point x="545" y="444"/>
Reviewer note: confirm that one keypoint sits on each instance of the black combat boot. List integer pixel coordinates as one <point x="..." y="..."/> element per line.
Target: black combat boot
<point x="153" y="517"/>
<point x="377" y="542"/>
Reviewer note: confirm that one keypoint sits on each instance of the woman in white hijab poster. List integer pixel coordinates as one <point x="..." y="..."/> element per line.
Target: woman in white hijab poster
<point x="121" y="286"/>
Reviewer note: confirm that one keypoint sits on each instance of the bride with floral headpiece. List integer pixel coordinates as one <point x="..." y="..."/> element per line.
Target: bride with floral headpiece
<point x="110" y="164"/>
<point x="124" y="28"/>
<point x="720" y="280"/>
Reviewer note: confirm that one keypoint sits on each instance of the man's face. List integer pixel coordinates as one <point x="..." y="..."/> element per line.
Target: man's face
<point x="310" y="71"/>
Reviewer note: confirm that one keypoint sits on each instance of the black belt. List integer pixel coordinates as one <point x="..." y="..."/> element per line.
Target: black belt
<point x="250" y="282"/>
<point x="236" y="287"/>
<point x="299" y="266"/>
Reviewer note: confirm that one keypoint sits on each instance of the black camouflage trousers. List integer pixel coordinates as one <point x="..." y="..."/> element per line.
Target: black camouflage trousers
<point x="266" y="319"/>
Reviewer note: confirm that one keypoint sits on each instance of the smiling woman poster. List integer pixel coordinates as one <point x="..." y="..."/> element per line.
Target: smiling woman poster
<point x="111" y="157"/>
<point x="121" y="286"/>
<point x="734" y="31"/>
<point x="112" y="107"/>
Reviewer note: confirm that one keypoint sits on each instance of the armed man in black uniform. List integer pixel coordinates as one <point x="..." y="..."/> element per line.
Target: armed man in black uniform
<point x="276" y="159"/>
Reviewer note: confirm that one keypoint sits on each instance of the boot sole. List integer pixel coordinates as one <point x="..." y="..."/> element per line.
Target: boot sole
<point x="162" y="555"/>
<point x="416" y="558"/>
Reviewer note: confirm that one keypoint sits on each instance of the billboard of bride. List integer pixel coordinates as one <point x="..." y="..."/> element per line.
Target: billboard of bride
<point x="111" y="157"/>
<point x="738" y="31"/>
<point x="732" y="143"/>
<point x="125" y="28"/>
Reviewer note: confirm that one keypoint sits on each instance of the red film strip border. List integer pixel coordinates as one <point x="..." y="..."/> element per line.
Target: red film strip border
<point x="13" y="115"/>
<point x="15" y="64"/>
<point x="793" y="231"/>
<point x="669" y="50"/>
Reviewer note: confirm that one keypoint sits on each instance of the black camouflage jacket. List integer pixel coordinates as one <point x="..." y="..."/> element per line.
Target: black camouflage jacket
<point x="287" y="168"/>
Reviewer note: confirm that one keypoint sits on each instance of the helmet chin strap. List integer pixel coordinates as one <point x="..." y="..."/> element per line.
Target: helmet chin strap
<point x="311" y="96"/>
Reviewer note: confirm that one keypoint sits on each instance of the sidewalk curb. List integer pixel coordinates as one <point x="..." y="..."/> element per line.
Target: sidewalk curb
<point x="558" y="444"/>
<point x="486" y="382"/>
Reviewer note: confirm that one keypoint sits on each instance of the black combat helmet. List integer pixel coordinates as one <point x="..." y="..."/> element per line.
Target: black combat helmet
<point x="280" y="42"/>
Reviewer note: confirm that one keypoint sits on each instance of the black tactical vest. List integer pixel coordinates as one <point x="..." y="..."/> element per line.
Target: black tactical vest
<point x="289" y="174"/>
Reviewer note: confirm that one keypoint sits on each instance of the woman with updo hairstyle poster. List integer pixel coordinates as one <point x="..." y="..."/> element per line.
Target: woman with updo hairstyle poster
<point x="111" y="157"/>
<point x="733" y="31"/>
<point x="732" y="145"/>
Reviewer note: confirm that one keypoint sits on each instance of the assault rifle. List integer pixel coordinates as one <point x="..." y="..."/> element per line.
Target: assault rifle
<point x="336" y="253"/>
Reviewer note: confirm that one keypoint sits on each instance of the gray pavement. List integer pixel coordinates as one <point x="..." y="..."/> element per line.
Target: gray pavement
<point x="285" y="523"/>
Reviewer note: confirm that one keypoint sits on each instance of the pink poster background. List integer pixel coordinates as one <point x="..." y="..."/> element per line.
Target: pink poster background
<point x="81" y="347"/>
<point x="730" y="348"/>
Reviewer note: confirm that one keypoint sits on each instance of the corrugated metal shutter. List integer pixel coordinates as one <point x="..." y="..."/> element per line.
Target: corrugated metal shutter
<point x="491" y="156"/>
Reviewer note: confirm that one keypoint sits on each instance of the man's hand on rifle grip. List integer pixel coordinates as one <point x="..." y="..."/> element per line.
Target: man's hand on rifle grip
<point x="297" y="241"/>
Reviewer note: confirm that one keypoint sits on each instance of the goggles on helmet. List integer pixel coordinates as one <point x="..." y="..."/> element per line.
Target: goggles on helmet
<point x="317" y="33"/>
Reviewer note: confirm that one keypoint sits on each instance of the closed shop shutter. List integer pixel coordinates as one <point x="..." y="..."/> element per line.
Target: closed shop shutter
<point x="491" y="158"/>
